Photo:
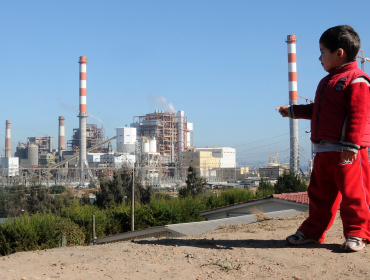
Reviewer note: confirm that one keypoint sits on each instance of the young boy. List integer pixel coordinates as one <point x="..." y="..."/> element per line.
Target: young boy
<point x="340" y="132"/>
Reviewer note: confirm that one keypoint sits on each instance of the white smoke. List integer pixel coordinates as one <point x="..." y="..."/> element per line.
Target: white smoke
<point x="67" y="107"/>
<point x="74" y="109"/>
<point x="170" y="108"/>
<point x="162" y="102"/>
<point x="157" y="100"/>
<point x="92" y="116"/>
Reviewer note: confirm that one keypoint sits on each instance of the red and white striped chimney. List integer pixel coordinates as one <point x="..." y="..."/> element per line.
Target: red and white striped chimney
<point x="292" y="74"/>
<point x="61" y="139"/>
<point x="83" y="115"/>
<point x="83" y="62"/>
<point x="292" y="68"/>
<point x="8" y="147"/>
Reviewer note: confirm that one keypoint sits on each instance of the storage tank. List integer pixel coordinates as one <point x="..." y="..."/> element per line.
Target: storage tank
<point x="145" y="146"/>
<point x="153" y="145"/>
<point x="33" y="154"/>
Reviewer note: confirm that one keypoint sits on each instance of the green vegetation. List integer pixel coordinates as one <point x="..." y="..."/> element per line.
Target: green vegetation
<point x="290" y="182"/>
<point x="57" y="189"/>
<point x="41" y="220"/>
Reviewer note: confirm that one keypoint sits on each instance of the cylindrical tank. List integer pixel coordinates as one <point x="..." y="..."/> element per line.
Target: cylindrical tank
<point x="33" y="155"/>
<point x="145" y="146"/>
<point x="153" y="145"/>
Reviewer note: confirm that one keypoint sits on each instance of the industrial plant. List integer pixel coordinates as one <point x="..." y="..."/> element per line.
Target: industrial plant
<point x="158" y="145"/>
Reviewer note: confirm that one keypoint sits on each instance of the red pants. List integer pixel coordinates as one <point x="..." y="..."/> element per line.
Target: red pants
<point x="331" y="181"/>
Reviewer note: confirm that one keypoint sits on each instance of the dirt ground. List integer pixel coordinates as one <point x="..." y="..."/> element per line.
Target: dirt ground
<point x="252" y="251"/>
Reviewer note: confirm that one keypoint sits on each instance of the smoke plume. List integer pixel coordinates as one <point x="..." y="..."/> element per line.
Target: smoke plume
<point x="162" y="103"/>
<point x="74" y="109"/>
<point x="92" y="116"/>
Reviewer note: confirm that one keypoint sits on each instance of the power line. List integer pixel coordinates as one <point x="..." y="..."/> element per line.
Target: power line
<point x="269" y="138"/>
<point x="268" y="144"/>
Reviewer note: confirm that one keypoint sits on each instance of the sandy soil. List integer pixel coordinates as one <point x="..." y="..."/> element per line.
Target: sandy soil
<point x="252" y="251"/>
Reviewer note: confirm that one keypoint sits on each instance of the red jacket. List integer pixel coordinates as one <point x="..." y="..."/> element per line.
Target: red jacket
<point x="341" y="109"/>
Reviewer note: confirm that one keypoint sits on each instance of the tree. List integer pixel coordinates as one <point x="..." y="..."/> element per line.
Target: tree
<point x="265" y="188"/>
<point x="39" y="199"/>
<point x="290" y="182"/>
<point x="118" y="188"/>
<point x="195" y="184"/>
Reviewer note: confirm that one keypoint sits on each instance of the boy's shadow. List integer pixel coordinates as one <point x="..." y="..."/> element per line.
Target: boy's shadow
<point x="221" y="244"/>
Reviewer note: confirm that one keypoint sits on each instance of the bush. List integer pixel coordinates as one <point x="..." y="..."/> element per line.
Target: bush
<point x="265" y="188"/>
<point x="39" y="231"/>
<point x="290" y="182"/>
<point x="57" y="189"/>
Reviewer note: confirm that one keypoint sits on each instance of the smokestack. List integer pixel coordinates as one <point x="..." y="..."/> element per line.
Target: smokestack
<point x="61" y="139"/>
<point x="83" y="114"/>
<point x="8" y="147"/>
<point x="292" y="72"/>
<point x="51" y="144"/>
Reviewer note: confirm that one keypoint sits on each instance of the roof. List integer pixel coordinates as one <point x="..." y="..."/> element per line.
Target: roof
<point x="299" y="197"/>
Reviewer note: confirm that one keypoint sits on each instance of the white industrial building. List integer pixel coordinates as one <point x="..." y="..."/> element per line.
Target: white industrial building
<point x="226" y="155"/>
<point x="126" y="139"/>
<point x="110" y="159"/>
<point x="9" y="166"/>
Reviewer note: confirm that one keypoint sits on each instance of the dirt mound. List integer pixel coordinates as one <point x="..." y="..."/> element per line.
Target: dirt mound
<point x="257" y="250"/>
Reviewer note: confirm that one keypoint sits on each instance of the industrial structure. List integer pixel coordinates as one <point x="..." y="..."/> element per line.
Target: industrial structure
<point x="212" y="162"/>
<point x="93" y="136"/>
<point x="172" y="132"/>
<point x="61" y="138"/>
<point x="9" y="164"/>
<point x="154" y="145"/>
<point x="173" y="135"/>
<point x="293" y="123"/>
<point x="83" y="115"/>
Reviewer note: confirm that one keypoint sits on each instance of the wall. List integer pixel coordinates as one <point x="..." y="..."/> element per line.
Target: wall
<point x="266" y="206"/>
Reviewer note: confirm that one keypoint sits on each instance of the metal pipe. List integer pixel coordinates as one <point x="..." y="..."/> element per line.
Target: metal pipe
<point x="8" y="147"/>
<point x="83" y="114"/>
<point x="293" y="123"/>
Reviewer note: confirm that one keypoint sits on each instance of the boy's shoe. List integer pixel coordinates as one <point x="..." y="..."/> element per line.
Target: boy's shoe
<point x="299" y="239"/>
<point x="353" y="244"/>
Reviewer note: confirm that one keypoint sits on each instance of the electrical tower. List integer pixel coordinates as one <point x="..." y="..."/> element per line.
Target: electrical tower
<point x="362" y="59"/>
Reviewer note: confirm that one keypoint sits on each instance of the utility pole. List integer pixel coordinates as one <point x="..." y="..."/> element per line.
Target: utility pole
<point x="133" y="199"/>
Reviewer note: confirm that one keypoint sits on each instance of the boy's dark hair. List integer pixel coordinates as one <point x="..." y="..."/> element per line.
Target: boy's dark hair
<point x="342" y="36"/>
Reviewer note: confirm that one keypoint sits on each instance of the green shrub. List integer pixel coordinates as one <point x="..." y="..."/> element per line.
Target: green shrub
<point x="39" y="231"/>
<point x="82" y="216"/>
<point x="57" y="189"/>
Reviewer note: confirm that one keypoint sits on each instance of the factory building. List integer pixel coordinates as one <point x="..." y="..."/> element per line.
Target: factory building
<point x="9" y="166"/>
<point x="226" y="155"/>
<point x="203" y="161"/>
<point x="38" y="151"/>
<point x="126" y="139"/>
<point x="94" y="136"/>
<point x="172" y="132"/>
<point x="212" y="162"/>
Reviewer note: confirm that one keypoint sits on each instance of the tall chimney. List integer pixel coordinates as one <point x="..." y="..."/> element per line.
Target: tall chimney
<point x="51" y="144"/>
<point x="292" y="72"/>
<point x="83" y="114"/>
<point x="8" y="147"/>
<point x="61" y="139"/>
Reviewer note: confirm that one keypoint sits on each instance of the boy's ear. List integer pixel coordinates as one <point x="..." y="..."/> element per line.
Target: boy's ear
<point x="340" y="52"/>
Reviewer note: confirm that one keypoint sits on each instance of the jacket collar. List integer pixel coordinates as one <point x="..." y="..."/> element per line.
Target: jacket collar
<point x="348" y="67"/>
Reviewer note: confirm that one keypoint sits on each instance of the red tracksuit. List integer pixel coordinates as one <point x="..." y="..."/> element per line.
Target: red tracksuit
<point x="340" y="114"/>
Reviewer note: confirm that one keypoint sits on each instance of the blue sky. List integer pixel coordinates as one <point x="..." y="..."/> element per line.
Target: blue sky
<point x="222" y="62"/>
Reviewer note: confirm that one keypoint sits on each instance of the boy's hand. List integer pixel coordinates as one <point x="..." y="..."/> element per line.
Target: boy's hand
<point x="283" y="110"/>
<point x="348" y="156"/>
